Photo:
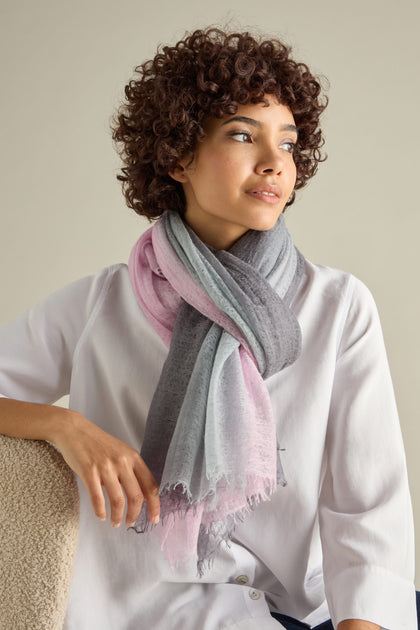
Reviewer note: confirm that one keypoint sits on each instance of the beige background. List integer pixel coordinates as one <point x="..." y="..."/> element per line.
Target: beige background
<point x="63" y="67"/>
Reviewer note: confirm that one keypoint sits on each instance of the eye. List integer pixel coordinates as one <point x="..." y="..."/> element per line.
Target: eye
<point x="288" y="146"/>
<point x="241" y="136"/>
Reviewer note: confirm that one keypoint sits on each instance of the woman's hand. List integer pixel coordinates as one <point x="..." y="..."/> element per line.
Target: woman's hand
<point x="96" y="456"/>
<point x="357" y="624"/>
<point x="102" y="460"/>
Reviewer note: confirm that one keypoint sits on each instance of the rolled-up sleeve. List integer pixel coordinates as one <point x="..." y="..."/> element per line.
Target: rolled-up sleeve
<point x="365" y="507"/>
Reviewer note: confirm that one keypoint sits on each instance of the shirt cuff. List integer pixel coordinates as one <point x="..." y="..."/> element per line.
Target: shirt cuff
<point x="373" y="594"/>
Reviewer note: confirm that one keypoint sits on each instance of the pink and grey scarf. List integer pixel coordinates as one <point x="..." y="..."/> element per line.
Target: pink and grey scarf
<point x="210" y="437"/>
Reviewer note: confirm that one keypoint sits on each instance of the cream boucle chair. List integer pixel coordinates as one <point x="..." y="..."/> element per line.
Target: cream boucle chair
<point x="39" y="521"/>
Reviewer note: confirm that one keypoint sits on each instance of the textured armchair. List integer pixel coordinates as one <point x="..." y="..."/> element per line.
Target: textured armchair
<point x="39" y="519"/>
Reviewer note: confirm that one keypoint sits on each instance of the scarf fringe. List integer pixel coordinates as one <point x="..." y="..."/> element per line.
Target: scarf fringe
<point x="215" y="526"/>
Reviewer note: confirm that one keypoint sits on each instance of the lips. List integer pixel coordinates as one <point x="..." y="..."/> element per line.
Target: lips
<point x="267" y="193"/>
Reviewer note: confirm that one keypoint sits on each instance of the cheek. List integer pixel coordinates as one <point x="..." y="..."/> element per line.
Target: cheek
<point x="221" y="163"/>
<point x="218" y="174"/>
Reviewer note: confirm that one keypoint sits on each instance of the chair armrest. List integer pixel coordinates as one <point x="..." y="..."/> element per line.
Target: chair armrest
<point x="39" y="522"/>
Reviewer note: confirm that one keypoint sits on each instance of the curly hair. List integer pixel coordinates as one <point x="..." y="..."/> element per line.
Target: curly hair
<point x="207" y="74"/>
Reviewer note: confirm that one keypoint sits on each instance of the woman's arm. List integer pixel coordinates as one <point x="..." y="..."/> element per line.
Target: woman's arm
<point x="96" y="456"/>
<point x="365" y="510"/>
<point x="36" y="362"/>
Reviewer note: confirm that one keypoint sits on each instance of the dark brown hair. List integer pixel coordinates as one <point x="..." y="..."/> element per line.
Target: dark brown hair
<point x="208" y="73"/>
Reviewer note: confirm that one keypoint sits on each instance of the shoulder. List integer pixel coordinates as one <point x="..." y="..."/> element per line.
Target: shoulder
<point x="85" y="293"/>
<point x="332" y="302"/>
<point x="70" y="307"/>
<point x="333" y="288"/>
<point x="98" y="281"/>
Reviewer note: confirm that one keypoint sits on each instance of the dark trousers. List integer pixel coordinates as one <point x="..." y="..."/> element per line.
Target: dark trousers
<point x="293" y="624"/>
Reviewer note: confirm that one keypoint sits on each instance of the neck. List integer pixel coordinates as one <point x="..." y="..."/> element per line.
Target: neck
<point x="215" y="234"/>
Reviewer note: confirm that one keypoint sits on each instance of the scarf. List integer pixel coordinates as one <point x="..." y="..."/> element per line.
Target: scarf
<point x="210" y="438"/>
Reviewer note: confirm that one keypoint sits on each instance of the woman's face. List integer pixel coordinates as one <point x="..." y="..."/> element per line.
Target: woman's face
<point x="242" y="174"/>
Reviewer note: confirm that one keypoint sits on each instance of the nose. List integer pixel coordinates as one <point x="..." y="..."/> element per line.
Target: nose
<point x="270" y="161"/>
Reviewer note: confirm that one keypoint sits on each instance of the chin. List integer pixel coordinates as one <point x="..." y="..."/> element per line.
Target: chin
<point x="264" y="226"/>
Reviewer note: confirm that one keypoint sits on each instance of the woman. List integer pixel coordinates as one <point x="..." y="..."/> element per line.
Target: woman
<point x="254" y="383"/>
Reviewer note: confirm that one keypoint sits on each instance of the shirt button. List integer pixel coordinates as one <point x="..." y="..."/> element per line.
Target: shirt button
<point x="254" y="594"/>
<point x="242" y="579"/>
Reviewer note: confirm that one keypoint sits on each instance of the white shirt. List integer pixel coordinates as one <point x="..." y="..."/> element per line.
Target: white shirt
<point x="336" y="541"/>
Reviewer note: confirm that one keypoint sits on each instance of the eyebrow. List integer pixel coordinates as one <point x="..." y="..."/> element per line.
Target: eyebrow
<point x="258" y="124"/>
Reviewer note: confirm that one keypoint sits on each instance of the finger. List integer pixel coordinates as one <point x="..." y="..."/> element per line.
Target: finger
<point x="134" y="496"/>
<point x="97" y="499"/>
<point x="150" y="489"/>
<point x="116" y="497"/>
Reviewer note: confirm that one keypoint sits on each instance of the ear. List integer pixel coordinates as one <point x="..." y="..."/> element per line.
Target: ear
<point x="179" y="174"/>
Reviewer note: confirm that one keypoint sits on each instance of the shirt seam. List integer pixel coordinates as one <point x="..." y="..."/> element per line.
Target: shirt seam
<point x="94" y="313"/>
<point x="346" y="309"/>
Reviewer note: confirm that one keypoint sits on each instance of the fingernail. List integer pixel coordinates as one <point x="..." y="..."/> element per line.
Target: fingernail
<point x="155" y="520"/>
<point x="115" y="524"/>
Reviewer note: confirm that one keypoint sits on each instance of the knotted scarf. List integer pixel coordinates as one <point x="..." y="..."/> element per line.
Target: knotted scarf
<point x="210" y="438"/>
